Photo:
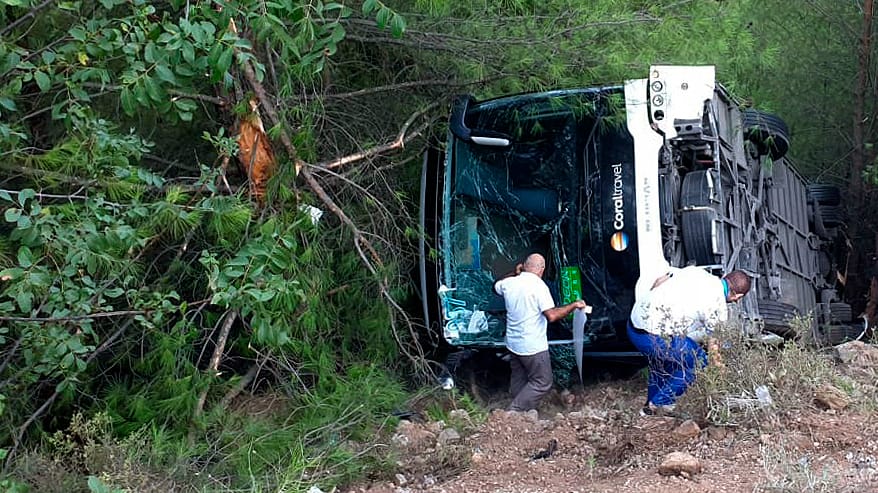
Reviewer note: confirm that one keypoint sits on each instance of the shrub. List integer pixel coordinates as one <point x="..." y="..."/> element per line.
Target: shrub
<point x="727" y="392"/>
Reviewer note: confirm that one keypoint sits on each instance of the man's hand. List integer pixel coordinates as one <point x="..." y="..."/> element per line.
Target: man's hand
<point x="714" y="354"/>
<point x="519" y="268"/>
<point x="557" y="313"/>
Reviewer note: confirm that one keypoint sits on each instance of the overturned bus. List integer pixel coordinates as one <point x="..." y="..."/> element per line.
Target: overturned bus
<point x="611" y="182"/>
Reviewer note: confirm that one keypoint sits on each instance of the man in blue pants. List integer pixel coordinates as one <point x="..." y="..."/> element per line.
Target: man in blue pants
<point x="671" y="319"/>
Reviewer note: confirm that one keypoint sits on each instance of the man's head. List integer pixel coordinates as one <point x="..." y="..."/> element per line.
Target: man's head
<point x="739" y="285"/>
<point x="535" y="264"/>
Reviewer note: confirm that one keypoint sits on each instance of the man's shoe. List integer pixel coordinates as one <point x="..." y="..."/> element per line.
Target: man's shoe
<point x="651" y="409"/>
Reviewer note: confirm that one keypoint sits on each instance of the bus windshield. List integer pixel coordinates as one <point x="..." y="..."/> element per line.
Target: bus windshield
<point x="537" y="194"/>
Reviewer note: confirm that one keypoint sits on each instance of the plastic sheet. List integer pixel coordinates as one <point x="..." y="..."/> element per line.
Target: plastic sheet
<point x="579" y="319"/>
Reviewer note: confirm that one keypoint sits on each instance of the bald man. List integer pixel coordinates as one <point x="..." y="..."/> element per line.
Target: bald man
<point x="529" y="309"/>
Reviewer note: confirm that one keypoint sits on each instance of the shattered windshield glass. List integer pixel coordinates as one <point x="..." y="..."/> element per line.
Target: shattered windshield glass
<point x="539" y="194"/>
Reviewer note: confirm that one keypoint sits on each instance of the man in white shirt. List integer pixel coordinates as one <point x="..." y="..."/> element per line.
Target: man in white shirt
<point x="529" y="308"/>
<point x="670" y="320"/>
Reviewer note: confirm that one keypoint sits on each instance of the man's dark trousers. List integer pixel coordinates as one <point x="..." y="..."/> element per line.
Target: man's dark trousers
<point x="531" y="380"/>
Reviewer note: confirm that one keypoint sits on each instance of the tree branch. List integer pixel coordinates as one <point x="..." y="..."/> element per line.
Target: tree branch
<point x="11" y="353"/>
<point x="401" y="139"/>
<point x="590" y="25"/>
<point x="400" y="42"/>
<point x="120" y="313"/>
<point x="218" y="351"/>
<point x="240" y="386"/>
<point x="50" y="175"/>
<point x="32" y="13"/>
<point x="384" y="88"/>
<point x="173" y="92"/>
<point x="35" y="53"/>
<point x="73" y="196"/>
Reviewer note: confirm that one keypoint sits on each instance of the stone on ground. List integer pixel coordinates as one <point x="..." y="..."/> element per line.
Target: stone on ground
<point x="679" y="464"/>
<point x="688" y="429"/>
<point x="831" y="397"/>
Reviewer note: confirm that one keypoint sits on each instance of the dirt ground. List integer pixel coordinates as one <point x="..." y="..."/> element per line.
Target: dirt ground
<point x="594" y="440"/>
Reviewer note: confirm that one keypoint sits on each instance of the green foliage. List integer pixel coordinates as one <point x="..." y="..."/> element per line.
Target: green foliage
<point x="322" y="436"/>
<point x="228" y="219"/>
<point x="442" y="404"/>
<point x="385" y="17"/>
<point x="726" y="394"/>
<point x="156" y="58"/>
<point x="540" y="45"/>
<point x="810" y="79"/>
<point x="225" y="146"/>
<point x="306" y="34"/>
<point x="259" y="281"/>
<point x="330" y="425"/>
<point x="13" y="486"/>
<point x="95" y="485"/>
<point x="281" y="279"/>
<point x="72" y="260"/>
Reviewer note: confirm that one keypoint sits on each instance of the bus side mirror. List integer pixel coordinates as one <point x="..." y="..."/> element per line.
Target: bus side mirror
<point x="459" y="129"/>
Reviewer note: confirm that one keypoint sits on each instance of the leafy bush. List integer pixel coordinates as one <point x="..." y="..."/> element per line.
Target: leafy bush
<point x="114" y="301"/>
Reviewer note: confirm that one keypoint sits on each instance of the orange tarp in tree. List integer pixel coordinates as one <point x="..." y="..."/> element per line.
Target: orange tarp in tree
<point x="255" y="156"/>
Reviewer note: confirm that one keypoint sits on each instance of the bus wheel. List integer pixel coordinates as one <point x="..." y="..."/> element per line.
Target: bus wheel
<point x="768" y="132"/>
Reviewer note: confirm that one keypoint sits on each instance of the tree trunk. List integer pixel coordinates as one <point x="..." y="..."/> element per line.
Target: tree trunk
<point x="857" y="279"/>
<point x="858" y="158"/>
<point x="871" y="312"/>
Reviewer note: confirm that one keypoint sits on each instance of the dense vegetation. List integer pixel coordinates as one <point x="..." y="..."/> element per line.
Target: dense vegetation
<point x="168" y="290"/>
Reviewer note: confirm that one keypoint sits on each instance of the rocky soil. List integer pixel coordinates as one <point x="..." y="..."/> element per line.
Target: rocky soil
<point x="594" y="440"/>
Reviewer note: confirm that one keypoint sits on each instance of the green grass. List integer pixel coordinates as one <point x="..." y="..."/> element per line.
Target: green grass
<point x="325" y="436"/>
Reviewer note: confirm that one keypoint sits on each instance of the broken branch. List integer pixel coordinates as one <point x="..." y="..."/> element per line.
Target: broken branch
<point x="399" y="142"/>
<point x="218" y="351"/>
<point x="240" y="386"/>
<point x="371" y="260"/>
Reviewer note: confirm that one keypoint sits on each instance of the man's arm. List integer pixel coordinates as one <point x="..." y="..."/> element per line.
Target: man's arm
<point x="559" y="312"/>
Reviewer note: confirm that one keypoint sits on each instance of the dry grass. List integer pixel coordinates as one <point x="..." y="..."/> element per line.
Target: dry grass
<point x="788" y="471"/>
<point x="726" y="391"/>
<point x="87" y="448"/>
<point x="443" y="463"/>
